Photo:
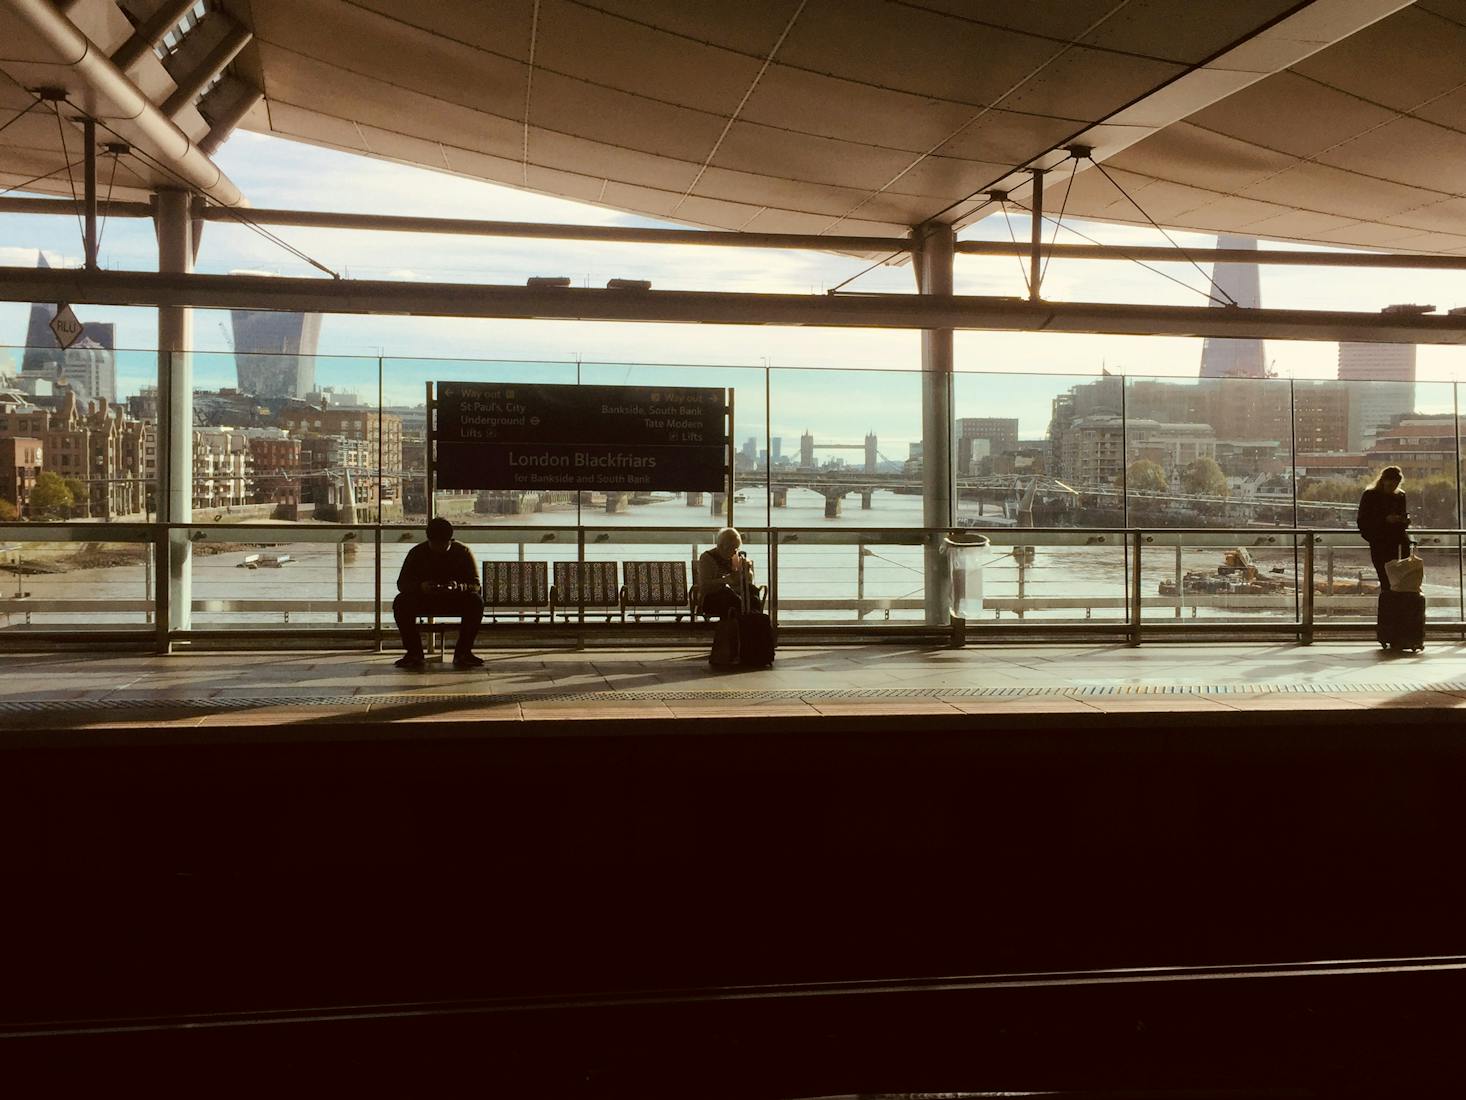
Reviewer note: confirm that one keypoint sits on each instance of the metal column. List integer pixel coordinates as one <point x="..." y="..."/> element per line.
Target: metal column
<point x="934" y="249"/>
<point x="173" y="216"/>
<point x="89" y="197"/>
<point x="1036" y="233"/>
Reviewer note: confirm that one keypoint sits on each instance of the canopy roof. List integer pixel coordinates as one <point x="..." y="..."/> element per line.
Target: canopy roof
<point x="1336" y="121"/>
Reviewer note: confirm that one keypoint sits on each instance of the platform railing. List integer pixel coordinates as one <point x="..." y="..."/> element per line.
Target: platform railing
<point x="94" y="581"/>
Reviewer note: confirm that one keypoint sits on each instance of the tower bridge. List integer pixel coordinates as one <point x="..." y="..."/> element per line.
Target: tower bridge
<point x="808" y="446"/>
<point x="1016" y="490"/>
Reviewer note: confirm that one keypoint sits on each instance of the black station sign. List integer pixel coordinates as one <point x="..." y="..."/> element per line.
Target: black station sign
<point x="512" y="435"/>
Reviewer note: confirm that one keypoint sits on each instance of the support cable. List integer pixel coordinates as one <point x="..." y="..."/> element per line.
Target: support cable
<point x="21" y="114"/>
<point x="42" y="176"/>
<point x="71" y="179"/>
<point x="883" y="261"/>
<point x="248" y="223"/>
<point x="1059" y="224"/>
<point x="1105" y="172"/>
<point x="1132" y="259"/>
<point x="102" y="229"/>
<point x="864" y="271"/>
<point x="1027" y="286"/>
<point x="158" y="165"/>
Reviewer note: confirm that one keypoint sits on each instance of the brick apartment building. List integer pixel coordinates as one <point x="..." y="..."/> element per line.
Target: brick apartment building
<point x="275" y="466"/>
<point x="361" y="430"/>
<point x="1423" y="447"/>
<point x="20" y="465"/>
<point x="98" y="446"/>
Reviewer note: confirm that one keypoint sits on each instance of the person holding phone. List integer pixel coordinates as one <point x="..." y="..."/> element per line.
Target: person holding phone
<point x="721" y="573"/>
<point x="439" y="578"/>
<point x="1384" y="519"/>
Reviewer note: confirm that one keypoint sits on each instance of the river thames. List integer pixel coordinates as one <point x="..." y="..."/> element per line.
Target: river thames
<point x="1090" y="580"/>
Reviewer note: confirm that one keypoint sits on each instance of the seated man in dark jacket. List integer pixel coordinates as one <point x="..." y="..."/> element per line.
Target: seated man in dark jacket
<point x="439" y="578"/>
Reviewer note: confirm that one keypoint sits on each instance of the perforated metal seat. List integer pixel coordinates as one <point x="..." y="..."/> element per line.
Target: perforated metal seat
<point x="516" y="589"/>
<point x="588" y="585"/>
<point x="655" y="588"/>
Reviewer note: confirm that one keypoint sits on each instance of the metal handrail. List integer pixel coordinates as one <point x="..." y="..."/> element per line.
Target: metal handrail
<point x="1315" y="553"/>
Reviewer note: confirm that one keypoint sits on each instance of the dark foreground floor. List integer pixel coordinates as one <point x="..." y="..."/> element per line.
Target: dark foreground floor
<point x="746" y="905"/>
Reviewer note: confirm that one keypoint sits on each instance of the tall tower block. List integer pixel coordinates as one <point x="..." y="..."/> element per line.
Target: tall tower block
<point x="274" y="353"/>
<point x="1228" y="358"/>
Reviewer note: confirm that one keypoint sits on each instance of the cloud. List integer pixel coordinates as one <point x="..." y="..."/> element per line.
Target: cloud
<point x="12" y="256"/>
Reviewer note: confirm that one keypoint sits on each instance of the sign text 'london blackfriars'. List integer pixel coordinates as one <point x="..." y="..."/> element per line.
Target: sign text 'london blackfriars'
<point x="510" y="435"/>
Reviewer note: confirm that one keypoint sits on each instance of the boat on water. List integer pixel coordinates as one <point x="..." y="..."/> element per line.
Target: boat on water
<point x="1239" y="575"/>
<point x="265" y="561"/>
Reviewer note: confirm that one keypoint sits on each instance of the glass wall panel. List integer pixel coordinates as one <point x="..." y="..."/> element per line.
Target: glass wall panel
<point x="1037" y="450"/>
<point x="627" y="547"/>
<point x="77" y="432"/>
<point x="290" y="438"/>
<point x="492" y="541"/>
<point x="847" y="447"/>
<point x="1442" y="586"/>
<point x="1055" y="576"/>
<point x="845" y="575"/>
<point x="751" y="454"/>
<point x="1221" y="576"/>
<point x="1345" y="587"/>
<point x="249" y="579"/>
<point x="75" y="584"/>
<point x="1208" y="452"/>
<point x="1348" y="431"/>
<point x="404" y="385"/>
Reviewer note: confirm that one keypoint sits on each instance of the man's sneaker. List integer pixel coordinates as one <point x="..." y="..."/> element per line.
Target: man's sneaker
<point x="411" y="661"/>
<point x="467" y="660"/>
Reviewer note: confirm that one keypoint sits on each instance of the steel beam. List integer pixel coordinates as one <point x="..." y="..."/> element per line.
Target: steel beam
<point x="617" y="234"/>
<point x="99" y="86"/>
<point x="1283" y="257"/>
<point x="150" y="32"/>
<point x="895" y="311"/>
<point x="470" y="227"/>
<point x="190" y="85"/>
<point x="65" y="208"/>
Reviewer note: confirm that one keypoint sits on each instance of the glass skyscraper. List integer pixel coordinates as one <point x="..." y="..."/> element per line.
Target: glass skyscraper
<point x="1229" y="358"/>
<point x="274" y="353"/>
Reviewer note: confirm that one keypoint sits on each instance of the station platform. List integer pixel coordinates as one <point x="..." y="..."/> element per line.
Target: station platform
<point x="60" y="690"/>
<point x="868" y="868"/>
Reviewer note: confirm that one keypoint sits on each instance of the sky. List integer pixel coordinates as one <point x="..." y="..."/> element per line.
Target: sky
<point x="1014" y="371"/>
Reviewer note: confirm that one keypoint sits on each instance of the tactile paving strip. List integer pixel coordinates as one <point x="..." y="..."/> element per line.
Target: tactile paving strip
<point x="709" y="695"/>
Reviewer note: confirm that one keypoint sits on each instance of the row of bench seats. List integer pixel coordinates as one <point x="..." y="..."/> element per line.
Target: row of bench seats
<point x="648" y="589"/>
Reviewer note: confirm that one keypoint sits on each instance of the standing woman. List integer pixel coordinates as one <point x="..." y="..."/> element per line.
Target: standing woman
<point x="1383" y="520"/>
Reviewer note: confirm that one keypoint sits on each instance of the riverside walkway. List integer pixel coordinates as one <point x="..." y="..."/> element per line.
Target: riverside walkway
<point x="216" y="689"/>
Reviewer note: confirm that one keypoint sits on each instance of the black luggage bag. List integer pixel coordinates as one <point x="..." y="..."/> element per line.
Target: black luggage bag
<point x="755" y="632"/>
<point x="755" y="640"/>
<point x="1401" y="621"/>
<point x="726" y="647"/>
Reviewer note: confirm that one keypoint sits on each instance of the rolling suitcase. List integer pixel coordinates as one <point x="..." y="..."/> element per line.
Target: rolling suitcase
<point x="755" y="634"/>
<point x="1401" y="621"/>
<point x="725" y="651"/>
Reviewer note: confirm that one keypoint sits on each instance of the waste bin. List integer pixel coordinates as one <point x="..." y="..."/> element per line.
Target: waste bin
<point x="967" y="551"/>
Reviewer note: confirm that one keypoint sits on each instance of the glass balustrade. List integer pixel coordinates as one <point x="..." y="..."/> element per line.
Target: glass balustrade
<point x="1118" y="502"/>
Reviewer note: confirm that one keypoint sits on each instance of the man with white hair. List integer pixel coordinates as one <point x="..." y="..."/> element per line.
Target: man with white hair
<point x="720" y="575"/>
